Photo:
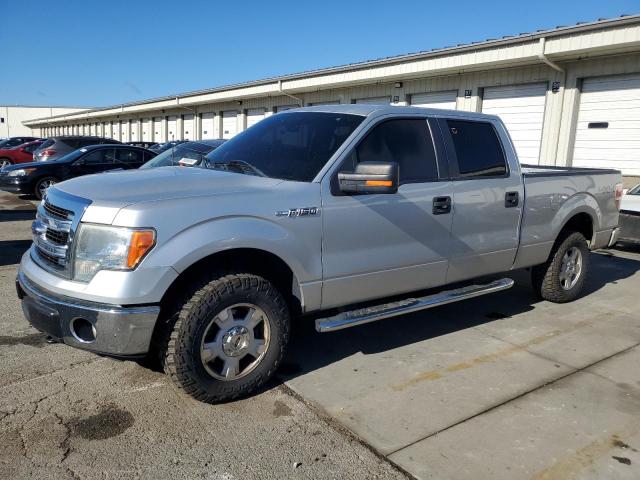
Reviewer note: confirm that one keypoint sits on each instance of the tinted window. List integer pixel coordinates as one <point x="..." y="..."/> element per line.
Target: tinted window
<point x="30" y="148"/>
<point x="128" y="156"/>
<point x="98" y="157"/>
<point x="47" y="144"/>
<point x="291" y="146"/>
<point x="478" y="149"/>
<point x="191" y="150"/>
<point x="405" y="141"/>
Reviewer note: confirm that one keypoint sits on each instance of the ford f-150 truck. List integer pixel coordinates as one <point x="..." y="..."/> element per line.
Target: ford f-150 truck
<point x="352" y="213"/>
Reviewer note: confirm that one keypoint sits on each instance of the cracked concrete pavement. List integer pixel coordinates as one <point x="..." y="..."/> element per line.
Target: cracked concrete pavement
<point x="68" y="414"/>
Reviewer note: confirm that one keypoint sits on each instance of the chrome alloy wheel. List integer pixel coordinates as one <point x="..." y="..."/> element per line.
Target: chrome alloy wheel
<point x="571" y="268"/>
<point x="4" y="163"/>
<point x="235" y="341"/>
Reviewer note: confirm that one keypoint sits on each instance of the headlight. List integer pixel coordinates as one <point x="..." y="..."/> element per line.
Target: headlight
<point x="21" y="172"/>
<point x="101" y="247"/>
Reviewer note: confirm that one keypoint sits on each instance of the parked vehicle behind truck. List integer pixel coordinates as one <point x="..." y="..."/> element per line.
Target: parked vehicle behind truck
<point x="327" y="210"/>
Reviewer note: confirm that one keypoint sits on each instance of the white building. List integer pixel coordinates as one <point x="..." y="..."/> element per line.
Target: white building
<point x="12" y="118"/>
<point x="569" y="96"/>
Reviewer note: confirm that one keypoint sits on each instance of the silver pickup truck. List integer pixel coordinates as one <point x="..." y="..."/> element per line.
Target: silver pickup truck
<point x="352" y="213"/>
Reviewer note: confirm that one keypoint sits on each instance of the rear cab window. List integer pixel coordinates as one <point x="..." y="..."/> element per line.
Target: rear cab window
<point x="477" y="149"/>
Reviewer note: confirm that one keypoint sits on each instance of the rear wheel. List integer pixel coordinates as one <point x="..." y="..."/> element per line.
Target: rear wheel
<point x="42" y="185"/>
<point x="228" y="339"/>
<point x="5" y="162"/>
<point x="562" y="278"/>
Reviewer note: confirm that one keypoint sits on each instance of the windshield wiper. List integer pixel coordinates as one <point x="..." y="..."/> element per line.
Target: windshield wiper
<point x="238" y="165"/>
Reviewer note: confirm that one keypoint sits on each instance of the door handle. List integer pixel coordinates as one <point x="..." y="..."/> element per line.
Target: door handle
<point x="441" y="205"/>
<point x="511" y="199"/>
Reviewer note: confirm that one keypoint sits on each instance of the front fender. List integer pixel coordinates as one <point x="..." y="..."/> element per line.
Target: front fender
<point x="299" y="249"/>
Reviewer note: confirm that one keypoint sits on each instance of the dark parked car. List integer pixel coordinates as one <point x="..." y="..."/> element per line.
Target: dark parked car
<point x="141" y="144"/>
<point x="15" y="141"/>
<point x="186" y="154"/>
<point x="161" y="147"/>
<point x="36" y="177"/>
<point x="20" y="154"/>
<point x="57" y="147"/>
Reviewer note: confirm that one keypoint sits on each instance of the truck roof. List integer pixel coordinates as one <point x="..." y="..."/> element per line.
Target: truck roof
<point x="369" y="109"/>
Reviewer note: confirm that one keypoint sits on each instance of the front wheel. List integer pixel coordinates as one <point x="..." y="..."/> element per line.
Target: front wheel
<point x="42" y="185"/>
<point x="561" y="279"/>
<point x="5" y="162"/>
<point x="229" y="338"/>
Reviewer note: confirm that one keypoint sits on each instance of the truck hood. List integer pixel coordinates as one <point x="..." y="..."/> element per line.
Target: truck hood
<point x="111" y="191"/>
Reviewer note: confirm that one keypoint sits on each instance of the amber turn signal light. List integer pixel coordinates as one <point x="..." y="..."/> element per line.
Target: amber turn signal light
<point x="379" y="183"/>
<point x="141" y="243"/>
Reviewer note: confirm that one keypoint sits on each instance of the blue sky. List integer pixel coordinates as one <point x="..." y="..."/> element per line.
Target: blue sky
<point x="90" y="53"/>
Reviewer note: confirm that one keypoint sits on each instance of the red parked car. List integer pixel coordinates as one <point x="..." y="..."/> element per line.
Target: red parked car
<point x="20" y="154"/>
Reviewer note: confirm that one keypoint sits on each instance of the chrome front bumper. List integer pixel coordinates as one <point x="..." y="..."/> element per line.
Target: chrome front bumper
<point x="119" y="331"/>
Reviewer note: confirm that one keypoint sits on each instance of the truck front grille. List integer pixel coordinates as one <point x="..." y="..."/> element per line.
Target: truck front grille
<point x="59" y="238"/>
<point x="58" y="212"/>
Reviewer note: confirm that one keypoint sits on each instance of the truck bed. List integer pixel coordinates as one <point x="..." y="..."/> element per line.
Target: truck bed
<point x="552" y="171"/>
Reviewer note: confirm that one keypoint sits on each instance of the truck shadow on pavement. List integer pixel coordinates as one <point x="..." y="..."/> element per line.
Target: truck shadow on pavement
<point x="17" y="215"/>
<point x="310" y="350"/>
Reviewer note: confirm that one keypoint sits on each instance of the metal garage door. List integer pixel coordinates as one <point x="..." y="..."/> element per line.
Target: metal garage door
<point x="106" y="128"/>
<point x="608" y="129"/>
<point x="172" y="128"/>
<point x="229" y="124"/>
<point x="254" y="115"/>
<point x="207" y="125"/>
<point x="375" y="100"/>
<point x="521" y="108"/>
<point x="445" y="100"/>
<point x="124" y="131"/>
<point x="188" y="127"/>
<point x="135" y="134"/>
<point x="92" y="129"/>
<point x="146" y="130"/>
<point x="116" y="130"/>
<point x="157" y="130"/>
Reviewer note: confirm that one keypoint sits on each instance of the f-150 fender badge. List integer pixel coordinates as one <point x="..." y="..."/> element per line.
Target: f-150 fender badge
<point x="298" y="212"/>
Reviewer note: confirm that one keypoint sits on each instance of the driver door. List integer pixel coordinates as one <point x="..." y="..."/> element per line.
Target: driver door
<point x="378" y="245"/>
<point x="95" y="161"/>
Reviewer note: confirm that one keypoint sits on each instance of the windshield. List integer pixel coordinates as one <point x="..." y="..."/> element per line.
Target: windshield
<point x="192" y="150"/>
<point x="634" y="191"/>
<point x="290" y="146"/>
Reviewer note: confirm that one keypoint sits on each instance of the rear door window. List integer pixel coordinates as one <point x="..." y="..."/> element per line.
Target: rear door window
<point x="132" y="157"/>
<point x="104" y="156"/>
<point x="478" y="149"/>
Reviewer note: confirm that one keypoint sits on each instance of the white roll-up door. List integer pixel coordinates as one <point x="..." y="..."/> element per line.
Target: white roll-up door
<point x="146" y="130"/>
<point x="521" y="108"/>
<point x="124" y="131"/>
<point x="207" y="125"/>
<point x="229" y="124"/>
<point x="254" y="115"/>
<point x="157" y="130"/>
<point x="375" y="100"/>
<point x="116" y="130"/>
<point x="284" y="108"/>
<point x="172" y="128"/>
<point x="446" y="100"/>
<point x="106" y="128"/>
<point x="188" y="127"/>
<point x="92" y="129"/>
<point x="608" y="128"/>
<point x="135" y="134"/>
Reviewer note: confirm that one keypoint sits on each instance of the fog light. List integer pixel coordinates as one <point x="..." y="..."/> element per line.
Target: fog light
<point x="83" y="330"/>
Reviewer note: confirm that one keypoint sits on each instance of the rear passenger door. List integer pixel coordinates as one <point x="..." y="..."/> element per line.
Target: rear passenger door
<point x="487" y="200"/>
<point x="378" y="245"/>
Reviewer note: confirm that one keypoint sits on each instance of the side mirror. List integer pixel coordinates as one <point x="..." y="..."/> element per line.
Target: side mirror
<point x="371" y="177"/>
<point x="187" y="162"/>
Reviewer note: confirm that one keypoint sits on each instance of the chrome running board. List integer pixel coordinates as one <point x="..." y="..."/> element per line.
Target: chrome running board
<point x="401" y="307"/>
